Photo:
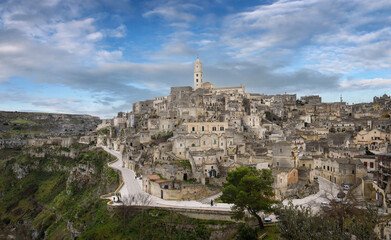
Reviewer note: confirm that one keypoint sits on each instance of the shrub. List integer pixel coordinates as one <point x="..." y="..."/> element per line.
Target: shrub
<point x="245" y="232"/>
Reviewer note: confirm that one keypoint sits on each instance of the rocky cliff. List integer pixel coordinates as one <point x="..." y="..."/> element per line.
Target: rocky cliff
<point x="17" y="127"/>
<point x="53" y="196"/>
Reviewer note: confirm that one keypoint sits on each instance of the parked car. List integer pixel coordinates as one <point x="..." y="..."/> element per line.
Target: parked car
<point x="324" y="204"/>
<point x="267" y="220"/>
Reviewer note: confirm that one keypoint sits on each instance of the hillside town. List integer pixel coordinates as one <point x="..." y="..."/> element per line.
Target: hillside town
<point x="184" y="144"/>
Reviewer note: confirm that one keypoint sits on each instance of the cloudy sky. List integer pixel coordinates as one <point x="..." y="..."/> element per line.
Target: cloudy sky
<point x="100" y="56"/>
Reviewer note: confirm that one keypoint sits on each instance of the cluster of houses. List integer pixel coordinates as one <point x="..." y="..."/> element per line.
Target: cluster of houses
<point x="184" y="144"/>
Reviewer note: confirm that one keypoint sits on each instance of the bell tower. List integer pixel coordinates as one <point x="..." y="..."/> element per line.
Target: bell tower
<point x="197" y="74"/>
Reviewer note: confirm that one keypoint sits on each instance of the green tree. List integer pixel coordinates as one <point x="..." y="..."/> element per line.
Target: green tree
<point x="249" y="190"/>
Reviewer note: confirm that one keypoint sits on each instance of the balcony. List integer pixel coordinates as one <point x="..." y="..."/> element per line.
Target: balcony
<point x="384" y="166"/>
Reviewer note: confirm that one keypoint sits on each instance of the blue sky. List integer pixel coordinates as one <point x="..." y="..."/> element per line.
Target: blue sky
<point x="100" y="56"/>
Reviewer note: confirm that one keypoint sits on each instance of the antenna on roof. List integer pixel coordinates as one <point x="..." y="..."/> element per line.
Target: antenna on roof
<point x="340" y="98"/>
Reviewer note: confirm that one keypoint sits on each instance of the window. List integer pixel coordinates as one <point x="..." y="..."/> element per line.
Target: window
<point x="204" y="143"/>
<point x="168" y="126"/>
<point x="352" y="171"/>
<point x="193" y="145"/>
<point x="203" y="128"/>
<point x="221" y="128"/>
<point x="371" y="165"/>
<point x="278" y="164"/>
<point x="303" y="165"/>
<point x="365" y="164"/>
<point x="162" y="126"/>
<point x="214" y="128"/>
<point x="193" y="129"/>
<point x="180" y="145"/>
<point x="197" y="75"/>
<point x="197" y="80"/>
<point x="214" y="141"/>
<point x="328" y="168"/>
<point x="324" y="167"/>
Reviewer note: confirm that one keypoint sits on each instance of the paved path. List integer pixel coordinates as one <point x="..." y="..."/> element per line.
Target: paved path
<point x="327" y="191"/>
<point x="132" y="187"/>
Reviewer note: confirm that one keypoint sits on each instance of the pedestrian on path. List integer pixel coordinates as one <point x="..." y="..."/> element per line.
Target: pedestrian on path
<point x="211" y="202"/>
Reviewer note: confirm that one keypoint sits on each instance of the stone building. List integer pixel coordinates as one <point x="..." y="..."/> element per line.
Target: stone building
<point x="285" y="179"/>
<point x="369" y="161"/>
<point x="206" y="127"/>
<point x="282" y="155"/>
<point x="201" y="132"/>
<point x="314" y="99"/>
<point x="341" y="170"/>
<point x="384" y="177"/>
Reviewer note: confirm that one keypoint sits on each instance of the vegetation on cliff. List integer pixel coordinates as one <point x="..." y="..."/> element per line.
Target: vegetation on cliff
<point x="54" y="196"/>
<point x="57" y="197"/>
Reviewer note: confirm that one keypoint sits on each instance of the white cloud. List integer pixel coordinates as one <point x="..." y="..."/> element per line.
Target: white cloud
<point x="96" y="36"/>
<point x="331" y="36"/>
<point x="173" y="11"/>
<point x="106" y="56"/>
<point x="366" y="83"/>
<point x="118" y="32"/>
<point x="10" y="48"/>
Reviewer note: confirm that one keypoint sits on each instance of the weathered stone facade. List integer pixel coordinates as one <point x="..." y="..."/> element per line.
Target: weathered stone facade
<point x="202" y="132"/>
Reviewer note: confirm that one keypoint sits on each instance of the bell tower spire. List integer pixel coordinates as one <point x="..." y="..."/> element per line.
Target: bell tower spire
<point x="197" y="74"/>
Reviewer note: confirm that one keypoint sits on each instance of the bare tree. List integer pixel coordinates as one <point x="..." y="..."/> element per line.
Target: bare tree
<point x="138" y="199"/>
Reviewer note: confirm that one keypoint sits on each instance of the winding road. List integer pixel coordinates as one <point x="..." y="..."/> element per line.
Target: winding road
<point x="132" y="187"/>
